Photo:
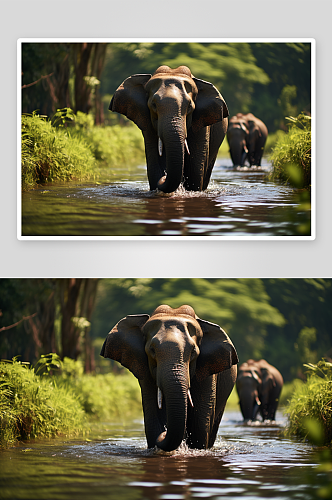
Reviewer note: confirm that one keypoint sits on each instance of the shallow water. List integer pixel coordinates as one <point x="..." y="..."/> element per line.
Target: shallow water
<point x="252" y="462"/>
<point x="239" y="202"/>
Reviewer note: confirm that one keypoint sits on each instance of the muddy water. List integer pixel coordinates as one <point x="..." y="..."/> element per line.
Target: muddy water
<point x="237" y="203"/>
<point x="252" y="462"/>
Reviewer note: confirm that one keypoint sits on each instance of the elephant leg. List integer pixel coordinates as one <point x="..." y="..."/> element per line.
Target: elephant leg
<point x="225" y="383"/>
<point x="195" y="163"/>
<point x="154" y="418"/>
<point x="217" y="134"/>
<point x="156" y="164"/>
<point x="200" y="416"/>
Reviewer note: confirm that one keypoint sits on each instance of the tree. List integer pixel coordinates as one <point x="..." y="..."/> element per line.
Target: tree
<point x="62" y="75"/>
<point x="44" y="305"/>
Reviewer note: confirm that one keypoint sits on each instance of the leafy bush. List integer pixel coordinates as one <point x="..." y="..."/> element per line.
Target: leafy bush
<point x="291" y="155"/>
<point x="49" y="153"/>
<point x="55" y="397"/>
<point x="113" y="145"/>
<point x="310" y="407"/>
<point x="103" y="396"/>
<point x="70" y="146"/>
<point x="33" y="405"/>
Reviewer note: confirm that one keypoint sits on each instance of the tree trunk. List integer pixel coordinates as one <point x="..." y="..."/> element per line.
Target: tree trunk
<point x="69" y="293"/>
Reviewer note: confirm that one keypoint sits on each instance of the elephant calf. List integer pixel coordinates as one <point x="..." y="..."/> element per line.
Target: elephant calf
<point x="186" y="368"/>
<point x="258" y="386"/>
<point x="183" y="121"/>
<point x="246" y="137"/>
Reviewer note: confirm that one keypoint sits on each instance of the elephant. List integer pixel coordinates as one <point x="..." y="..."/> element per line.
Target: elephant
<point x="246" y="137"/>
<point x="186" y="368"/>
<point x="258" y="385"/>
<point x="183" y="121"/>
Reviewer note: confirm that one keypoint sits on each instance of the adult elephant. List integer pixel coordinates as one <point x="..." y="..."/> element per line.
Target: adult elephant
<point x="183" y="121"/>
<point x="186" y="368"/>
<point x="237" y="137"/>
<point x="258" y="386"/>
<point x="246" y="137"/>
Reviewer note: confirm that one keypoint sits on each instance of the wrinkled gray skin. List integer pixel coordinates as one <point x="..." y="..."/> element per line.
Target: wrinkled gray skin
<point x="186" y="368"/>
<point x="183" y="121"/>
<point x="246" y="137"/>
<point x="258" y="386"/>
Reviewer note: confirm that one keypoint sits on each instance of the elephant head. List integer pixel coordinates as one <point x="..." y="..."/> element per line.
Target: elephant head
<point x="173" y="109"/>
<point x="248" y="386"/>
<point x="167" y="352"/>
<point x="237" y="138"/>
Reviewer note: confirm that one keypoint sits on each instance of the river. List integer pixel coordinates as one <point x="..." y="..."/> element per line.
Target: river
<point x="238" y="202"/>
<point x="254" y="462"/>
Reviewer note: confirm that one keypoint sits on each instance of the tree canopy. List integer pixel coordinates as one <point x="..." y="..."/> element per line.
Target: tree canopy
<point x="271" y="80"/>
<point x="285" y="321"/>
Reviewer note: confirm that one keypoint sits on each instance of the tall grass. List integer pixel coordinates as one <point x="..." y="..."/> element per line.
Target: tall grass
<point x="35" y="406"/>
<point x="291" y="155"/>
<point x="49" y="153"/>
<point x="40" y="402"/>
<point x="112" y="146"/>
<point x="310" y="408"/>
<point x="53" y="149"/>
<point x="102" y="396"/>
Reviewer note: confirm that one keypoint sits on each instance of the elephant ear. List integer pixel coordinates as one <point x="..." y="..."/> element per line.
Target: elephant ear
<point x="130" y="99"/>
<point x="125" y="343"/>
<point x="210" y="106"/>
<point x="217" y="352"/>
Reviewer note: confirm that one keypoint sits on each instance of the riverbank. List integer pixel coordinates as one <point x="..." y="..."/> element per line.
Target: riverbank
<point x="291" y="154"/>
<point x="309" y="409"/>
<point x="36" y="403"/>
<point x="69" y="146"/>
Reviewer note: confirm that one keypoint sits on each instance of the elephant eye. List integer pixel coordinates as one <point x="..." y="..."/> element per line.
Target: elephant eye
<point x="188" y="87"/>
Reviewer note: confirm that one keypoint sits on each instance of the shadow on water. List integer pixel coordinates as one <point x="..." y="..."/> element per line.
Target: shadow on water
<point x="254" y="462"/>
<point x="238" y="202"/>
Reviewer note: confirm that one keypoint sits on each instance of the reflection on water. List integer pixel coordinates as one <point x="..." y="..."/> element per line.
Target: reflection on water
<point x="254" y="462"/>
<point x="237" y="203"/>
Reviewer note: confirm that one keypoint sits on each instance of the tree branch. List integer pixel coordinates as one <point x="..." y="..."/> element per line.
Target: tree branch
<point x="15" y="324"/>
<point x="34" y="83"/>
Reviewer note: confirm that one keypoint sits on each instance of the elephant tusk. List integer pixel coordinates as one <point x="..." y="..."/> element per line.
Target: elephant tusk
<point x="186" y="144"/>
<point x="160" y="146"/>
<point x="189" y="396"/>
<point x="159" y="398"/>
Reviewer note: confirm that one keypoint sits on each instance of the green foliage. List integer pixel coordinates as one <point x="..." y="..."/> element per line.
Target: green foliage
<point x="49" y="153"/>
<point x="106" y="397"/>
<point x="62" y="117"/>
<point x="240" y="306"/>
<point x="113" y="146"/>
<point x="53" y="151"/>
<point x="103" y="396"/>
<point x="291" y="156"/>
<point x="264" y="78"/>
<point x="310" y="408"/>
<point x="47" y="363"/>
<point x="35" y="406"/>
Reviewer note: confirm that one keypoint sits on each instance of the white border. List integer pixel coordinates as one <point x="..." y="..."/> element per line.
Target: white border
<point x="312" y="41"/>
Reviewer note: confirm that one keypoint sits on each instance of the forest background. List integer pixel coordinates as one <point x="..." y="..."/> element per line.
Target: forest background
<point x="286" y="321"/>
<point x="271" y="80"/>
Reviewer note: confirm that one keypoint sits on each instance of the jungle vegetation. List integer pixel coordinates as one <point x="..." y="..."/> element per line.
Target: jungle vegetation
<point x="271" y="80"/>
<point x="310" y="406"/>
<point x="286" y="321"/>
<point x="53" y="380"/>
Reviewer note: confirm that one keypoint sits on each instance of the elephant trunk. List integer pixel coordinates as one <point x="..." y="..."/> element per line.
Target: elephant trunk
<point x="174" y="387"/>
<point x="171" y="142"/>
